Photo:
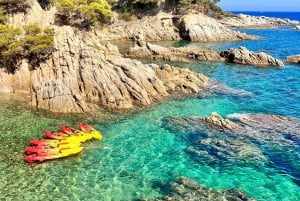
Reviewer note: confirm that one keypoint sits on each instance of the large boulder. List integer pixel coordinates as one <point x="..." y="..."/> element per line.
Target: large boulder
<point x="199" y="27"/>
<point x="243" y="56"/>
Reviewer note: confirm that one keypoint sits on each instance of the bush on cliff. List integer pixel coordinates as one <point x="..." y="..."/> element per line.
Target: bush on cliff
<point x="205" y="6"/>
<point x="84" y="13"/>
<point x="13" y="6"/>
<point x="28" y="42"/>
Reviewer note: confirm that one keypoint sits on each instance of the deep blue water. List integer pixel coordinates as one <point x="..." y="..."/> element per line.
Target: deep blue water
<point x="289" y="15"/>
<point x="137" y="152"/>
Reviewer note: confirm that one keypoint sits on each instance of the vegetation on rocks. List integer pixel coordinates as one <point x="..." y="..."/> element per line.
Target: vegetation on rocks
<point x="84" y="13"/>
<point x="29" y="42"/>
<point x="13" y="6"/>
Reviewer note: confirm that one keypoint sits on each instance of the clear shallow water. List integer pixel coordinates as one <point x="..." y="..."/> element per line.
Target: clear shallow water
<point x="137" y="154"/>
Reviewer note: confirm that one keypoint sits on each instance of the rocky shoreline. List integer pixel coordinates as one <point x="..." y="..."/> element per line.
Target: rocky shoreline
<point x="247" y="21"/>
<point x="86" y="73"/>
<point x="239" y="55"/>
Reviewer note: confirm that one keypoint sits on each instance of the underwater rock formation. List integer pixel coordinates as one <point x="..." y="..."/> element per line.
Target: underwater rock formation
<point x="189" y="190"/>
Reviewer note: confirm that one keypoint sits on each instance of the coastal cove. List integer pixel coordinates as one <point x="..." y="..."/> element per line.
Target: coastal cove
<point x="138" y="155"/>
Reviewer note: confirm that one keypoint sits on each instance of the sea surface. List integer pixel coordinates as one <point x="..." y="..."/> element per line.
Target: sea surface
<point x="289" y="15"/>
<point x="137" y="155"/>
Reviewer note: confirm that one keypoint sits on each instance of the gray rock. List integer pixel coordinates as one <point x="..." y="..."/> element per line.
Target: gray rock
<point x="243" y="56"/>
<point x="293" y="59"/>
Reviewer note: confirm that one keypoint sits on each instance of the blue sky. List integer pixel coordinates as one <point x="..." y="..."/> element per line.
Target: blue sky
<point x="260" y="5"/>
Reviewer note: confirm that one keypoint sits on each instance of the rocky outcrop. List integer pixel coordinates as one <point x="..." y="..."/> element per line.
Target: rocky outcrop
<point x="189" y="190"/>
<point x="293" y="59"/>
<point x="240" y="55"/>
<point x="297" y="27"/>
<point x="182" y="54"/>
<point x="83" y="75"/>
<point x="164" y="26"/>
<point x="216" y="121"/>
<point x="199" y="27"/>
<point x="243" y="56"/>
<point x="247" y="21"/>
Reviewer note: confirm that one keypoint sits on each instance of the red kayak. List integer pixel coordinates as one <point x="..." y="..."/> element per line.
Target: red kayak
<point x="44" y="156"/>
<point x="44" y="150"/>
<point x="44" y="142"/>
<point x="68" y="130"/>
<point x="55" y="135"/>
<point x="85" y="127"/>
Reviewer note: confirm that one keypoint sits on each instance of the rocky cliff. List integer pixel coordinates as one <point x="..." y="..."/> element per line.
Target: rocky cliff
<point x="164" y="26"/>
<point x="82" y="75"/>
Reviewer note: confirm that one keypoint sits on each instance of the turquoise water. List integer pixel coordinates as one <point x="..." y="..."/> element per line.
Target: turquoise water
<point x="137" y="154"/>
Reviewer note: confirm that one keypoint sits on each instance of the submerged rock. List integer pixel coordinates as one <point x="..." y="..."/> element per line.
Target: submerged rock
<point x="189" y="190"/>
<point x="293" y="59"/>
<point x="243" y="56"/>
<point x="245" y="138"/>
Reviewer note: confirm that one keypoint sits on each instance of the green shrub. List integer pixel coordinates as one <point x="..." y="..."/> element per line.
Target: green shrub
<point x="29" y="42"/>
<point x="84" y="12"/>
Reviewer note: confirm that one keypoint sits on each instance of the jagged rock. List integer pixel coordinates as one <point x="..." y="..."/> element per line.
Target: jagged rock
<point x="189" y="190"/>
<point x="200" y="27"/>
<point x="293" y="59"/>
<point x="216" y="121"/>
<point x="243" y="56"/>
<point x="247" y="21"/>
<point x="182" y="54"/>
